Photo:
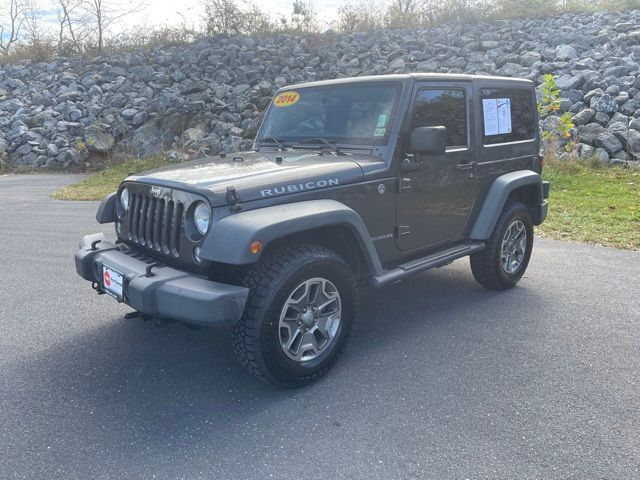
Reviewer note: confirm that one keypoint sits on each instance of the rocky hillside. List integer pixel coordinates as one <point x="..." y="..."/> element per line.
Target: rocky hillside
<point x="208" y="96"/>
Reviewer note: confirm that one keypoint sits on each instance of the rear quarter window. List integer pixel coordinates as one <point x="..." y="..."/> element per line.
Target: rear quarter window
<point x="508" y="115"/>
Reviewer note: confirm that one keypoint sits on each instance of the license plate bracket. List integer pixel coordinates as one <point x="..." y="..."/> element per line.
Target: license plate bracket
<point x="112" y="282"/>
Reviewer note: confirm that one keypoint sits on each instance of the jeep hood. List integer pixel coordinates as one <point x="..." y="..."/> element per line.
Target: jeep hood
<point x="257" y="175"/>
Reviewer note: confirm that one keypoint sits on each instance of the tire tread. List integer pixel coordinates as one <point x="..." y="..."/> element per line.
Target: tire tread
<point x="262" y="281"/>
<point x="483" y="264"/>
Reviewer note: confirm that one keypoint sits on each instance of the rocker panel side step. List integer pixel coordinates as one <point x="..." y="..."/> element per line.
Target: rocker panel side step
<point x="437" y="259"/>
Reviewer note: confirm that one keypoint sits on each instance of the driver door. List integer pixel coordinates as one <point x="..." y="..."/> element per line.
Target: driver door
<point x="436" y="195"/>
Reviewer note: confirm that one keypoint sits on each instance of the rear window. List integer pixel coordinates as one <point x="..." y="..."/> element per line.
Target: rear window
<point x="508" y="115"/>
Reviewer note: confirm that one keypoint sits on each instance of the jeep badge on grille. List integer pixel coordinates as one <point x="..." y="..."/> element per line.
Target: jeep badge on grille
<point x="156" y="191"/>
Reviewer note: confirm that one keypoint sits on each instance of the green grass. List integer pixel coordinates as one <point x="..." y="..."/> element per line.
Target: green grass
<point x="593" y="205"/>
<point x="98" y="185"/>
<point x="586" y="204"/>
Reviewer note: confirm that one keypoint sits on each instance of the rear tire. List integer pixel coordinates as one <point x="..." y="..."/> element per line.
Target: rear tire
<point x="506" y="256"/>
<point x="283" y="337"/>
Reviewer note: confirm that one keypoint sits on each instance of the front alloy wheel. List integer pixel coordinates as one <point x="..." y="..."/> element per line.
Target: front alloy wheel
<point x="310" y="319"/>
<point x="302" y="300"/>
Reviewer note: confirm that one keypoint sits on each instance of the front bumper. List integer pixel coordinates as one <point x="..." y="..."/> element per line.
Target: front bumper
<point x="165" y="292"/>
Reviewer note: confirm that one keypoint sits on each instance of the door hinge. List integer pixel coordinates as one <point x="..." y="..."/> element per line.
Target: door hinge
<point x="402" y="230"/>
<point x="404" y="184"/>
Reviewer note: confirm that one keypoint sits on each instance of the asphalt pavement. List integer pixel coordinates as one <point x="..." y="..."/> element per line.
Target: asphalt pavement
<point x="442" y="379"/>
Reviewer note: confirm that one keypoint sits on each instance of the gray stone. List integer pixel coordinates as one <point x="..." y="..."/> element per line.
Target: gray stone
<point x="52" y="150"/>
<point x="625" y="26"/>
<point x="98" y="140"/>
<point x="240" y="89"/>
<point x="609" y="142"/>
<point x="396" y="63"/>
<point x="129" y="113"/>
<point x="601" y="118"/>
<point x="566" y="52"/>
<point x="568" y="82"/>
<point x="530" y="58"/>
<point x="23" y="149"/>
<point x="631" y="142"/>
<point x="583" y="117"/>
<point x="601" y="156"/>
<point x="588" y="133"/>
<point x="631" y="106"/>
<point x="193" y="135"/>
<point x="604" y="104"/>
<point x="585" y="151"/>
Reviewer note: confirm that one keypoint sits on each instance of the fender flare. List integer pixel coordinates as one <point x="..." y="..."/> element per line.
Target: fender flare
<point x="107" y="210"/>
<point x="229" y="239"/>
<point x="497" y="197"/>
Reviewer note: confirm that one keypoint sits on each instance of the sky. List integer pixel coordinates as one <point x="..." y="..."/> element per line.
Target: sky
<point x="173" y="12"/>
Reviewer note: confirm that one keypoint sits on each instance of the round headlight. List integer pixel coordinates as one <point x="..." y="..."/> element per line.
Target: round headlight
<point x="201" y="217"/>
<point x="124" y="199"/>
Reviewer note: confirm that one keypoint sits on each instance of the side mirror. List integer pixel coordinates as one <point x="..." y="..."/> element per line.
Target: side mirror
<point x="428" y="140"/>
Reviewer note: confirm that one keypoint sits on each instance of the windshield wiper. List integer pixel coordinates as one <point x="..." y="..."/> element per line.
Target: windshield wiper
<point x="326" y="142"/>
<point x="278" y="141"/>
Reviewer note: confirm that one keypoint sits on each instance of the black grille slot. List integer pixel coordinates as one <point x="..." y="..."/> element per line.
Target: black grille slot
<point x="156" y="223"/>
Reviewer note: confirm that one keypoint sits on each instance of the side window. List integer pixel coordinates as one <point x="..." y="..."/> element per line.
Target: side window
<point x="508" y="115"/>
<point x="442" y="107"/>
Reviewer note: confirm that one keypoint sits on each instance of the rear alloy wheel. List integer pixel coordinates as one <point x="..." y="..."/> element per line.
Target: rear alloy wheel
<point x="514" y="247"/>
<point x="302" y="301"/>
<point x="506" y="256"/>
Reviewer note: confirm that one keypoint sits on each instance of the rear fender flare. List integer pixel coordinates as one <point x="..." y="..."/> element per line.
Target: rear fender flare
<point x="497" y="197"/>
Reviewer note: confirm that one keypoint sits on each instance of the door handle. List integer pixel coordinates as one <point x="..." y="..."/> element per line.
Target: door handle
<point x="466" y="166"/>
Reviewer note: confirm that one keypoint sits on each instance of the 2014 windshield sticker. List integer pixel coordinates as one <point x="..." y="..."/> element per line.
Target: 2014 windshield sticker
<point x="286" y="99"/>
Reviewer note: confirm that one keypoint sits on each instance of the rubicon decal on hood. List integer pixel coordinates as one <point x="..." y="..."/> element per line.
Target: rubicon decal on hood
<point x="299" y="187"/>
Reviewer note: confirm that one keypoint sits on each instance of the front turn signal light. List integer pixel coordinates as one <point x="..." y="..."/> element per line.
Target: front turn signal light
<point x="255" y="247"/>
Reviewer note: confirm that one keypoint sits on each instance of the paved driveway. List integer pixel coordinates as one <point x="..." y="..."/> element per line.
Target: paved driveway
<point x="442" y="379"/>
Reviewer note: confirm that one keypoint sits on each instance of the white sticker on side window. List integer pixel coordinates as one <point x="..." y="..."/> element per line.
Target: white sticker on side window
<point x="382" y="120"/>
<point x="497" y="116"/>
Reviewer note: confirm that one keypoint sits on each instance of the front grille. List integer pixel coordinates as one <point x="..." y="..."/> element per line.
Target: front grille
<point x="155" y="223"/>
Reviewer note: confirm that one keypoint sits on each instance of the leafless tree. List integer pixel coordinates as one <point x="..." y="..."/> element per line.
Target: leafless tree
<point x="232" y="17"/>
<point x="303" y="17"/>
<point x="362" y="15"/>
<point x="103" y="13"/>
<point x="12" y="23"/>
<point x="224" y="16"/>
<point x="72" y="24"/>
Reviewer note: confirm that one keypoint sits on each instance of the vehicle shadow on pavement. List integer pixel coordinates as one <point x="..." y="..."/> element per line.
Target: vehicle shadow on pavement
<point x="128" y="381"/>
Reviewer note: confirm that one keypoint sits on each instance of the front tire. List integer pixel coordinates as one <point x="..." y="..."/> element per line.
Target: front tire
<point x="298" y="317"/>
<point x="504" y="260"/>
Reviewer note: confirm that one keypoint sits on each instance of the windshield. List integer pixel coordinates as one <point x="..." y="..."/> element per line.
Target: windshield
<point x="359" y="113"/>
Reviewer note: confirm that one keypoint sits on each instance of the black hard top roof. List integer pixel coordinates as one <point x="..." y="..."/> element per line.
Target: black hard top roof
<point x="444" y="77"/>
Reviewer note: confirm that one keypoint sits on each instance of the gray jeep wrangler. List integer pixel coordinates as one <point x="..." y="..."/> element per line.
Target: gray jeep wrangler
<point x="351" y="181"/>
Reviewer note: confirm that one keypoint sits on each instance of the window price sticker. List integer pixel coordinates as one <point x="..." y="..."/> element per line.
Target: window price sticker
<point x="497" y="116"/>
